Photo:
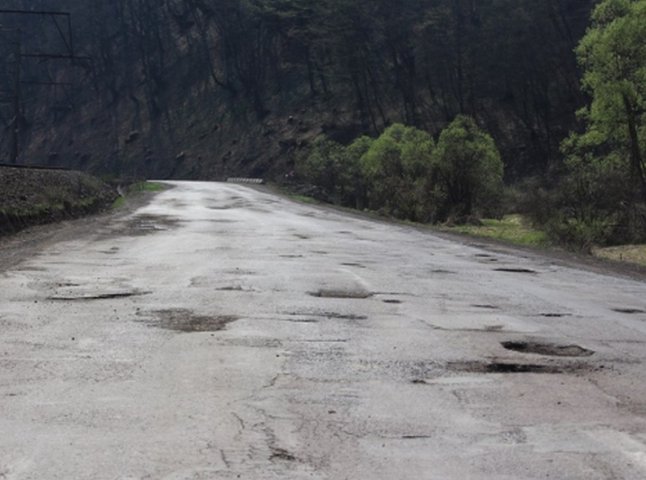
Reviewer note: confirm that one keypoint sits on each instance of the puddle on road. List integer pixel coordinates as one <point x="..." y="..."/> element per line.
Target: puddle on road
<point x="548" y="349"/>
<point x="182" y="320"/>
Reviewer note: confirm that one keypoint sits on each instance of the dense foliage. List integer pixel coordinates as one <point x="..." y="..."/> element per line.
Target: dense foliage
<point x="404" y="174"/>
<point x="602" y="196"/>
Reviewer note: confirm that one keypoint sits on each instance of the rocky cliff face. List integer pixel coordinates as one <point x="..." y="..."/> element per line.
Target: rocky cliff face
<point x="207" y="89"/>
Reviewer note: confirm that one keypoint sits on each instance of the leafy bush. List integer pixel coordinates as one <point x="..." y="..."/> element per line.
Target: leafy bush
<point x="323" y="166"/>
<point x="396" y="168"/>
<point x="468" y="171"/>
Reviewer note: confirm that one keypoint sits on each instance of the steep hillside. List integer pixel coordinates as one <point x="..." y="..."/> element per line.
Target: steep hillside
<point x="210" y="88"/>
<point x="29" y="197"/>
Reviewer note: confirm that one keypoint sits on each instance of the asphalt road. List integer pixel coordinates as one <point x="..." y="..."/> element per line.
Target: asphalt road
<point x="221" y="332"/>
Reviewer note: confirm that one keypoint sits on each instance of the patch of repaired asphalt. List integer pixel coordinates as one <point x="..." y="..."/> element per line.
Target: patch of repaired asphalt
<point x="183" y="320"/>
<point x="547" y="349"/>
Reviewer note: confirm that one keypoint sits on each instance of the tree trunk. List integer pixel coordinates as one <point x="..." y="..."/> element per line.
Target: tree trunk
<point x="636" y="161"/>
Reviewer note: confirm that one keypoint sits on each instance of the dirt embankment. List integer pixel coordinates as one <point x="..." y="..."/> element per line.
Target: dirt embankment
<point x="30" y="197"/>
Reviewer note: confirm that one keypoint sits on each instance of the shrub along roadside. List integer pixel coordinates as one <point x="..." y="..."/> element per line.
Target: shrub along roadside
<point x="405" y="175"/>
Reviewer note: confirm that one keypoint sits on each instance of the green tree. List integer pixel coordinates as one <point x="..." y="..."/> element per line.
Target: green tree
<point x="613" y="56"/>
<point x="602" y="197"/>
<point x="468" y="170"/>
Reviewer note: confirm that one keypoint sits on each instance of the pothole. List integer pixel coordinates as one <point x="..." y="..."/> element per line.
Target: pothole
<point x="548" y="349"/>
<point x="515" y="270"/>
<point x="485" y="306"/>
<point x="97" y="296"/>
<point x="301" y="320"/>
<point x="146" y="224"/>
<point x="182" y="320"/>
<point x="392" y="301"/>
<point x="235" y="288"/>
<point x="555" y="315"/>
<point x="629" y="311"/>
<point x="505" y="367"/>
<point x="493" y="328"/>
<point x="353" y="264"/>
<point x="281" y="454"/>
<point x="333" y="293"/>
<point x="329" y="315"/>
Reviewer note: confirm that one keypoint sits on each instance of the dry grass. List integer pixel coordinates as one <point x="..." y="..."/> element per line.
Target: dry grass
<point x="624" y="253"/>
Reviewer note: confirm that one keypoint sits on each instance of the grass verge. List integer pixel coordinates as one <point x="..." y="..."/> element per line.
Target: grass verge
<point x="511" y="229"/>
<point x="135" y="189"/>
<point x="303" y="198"/>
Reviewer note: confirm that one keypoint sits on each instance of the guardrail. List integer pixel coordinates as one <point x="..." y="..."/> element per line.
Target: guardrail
<point x="253" y="181"/>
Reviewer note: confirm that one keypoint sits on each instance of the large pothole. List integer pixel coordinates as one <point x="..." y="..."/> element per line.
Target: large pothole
<point x="548" y="349"/>
<point x="509" y="367"/>
<point x="629" y="311"/>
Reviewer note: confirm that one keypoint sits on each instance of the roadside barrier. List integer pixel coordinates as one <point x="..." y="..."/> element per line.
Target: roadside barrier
<point x="255" y="181"/>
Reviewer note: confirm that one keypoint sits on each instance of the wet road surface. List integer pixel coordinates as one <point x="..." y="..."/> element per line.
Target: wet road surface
<point x="222" y="332"/>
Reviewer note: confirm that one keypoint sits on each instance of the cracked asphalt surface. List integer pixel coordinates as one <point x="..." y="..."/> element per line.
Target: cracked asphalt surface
<point x="222" y="332"/>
